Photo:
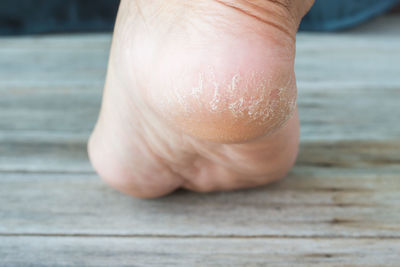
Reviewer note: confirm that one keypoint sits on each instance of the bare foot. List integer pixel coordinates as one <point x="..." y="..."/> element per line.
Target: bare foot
<point x="199" y="95"/>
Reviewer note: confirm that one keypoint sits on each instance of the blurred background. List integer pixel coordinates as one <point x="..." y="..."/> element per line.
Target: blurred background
<point x="43" y="16"/>
<point x="341" y="202"/>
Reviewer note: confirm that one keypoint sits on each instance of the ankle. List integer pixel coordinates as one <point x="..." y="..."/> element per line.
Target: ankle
<point x="286" y="14"/>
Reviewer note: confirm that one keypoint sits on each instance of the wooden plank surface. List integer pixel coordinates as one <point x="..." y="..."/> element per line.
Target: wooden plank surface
<point x="340" y="205"/>
<point x="312" y="202"/>
<point x="155" y="251"/>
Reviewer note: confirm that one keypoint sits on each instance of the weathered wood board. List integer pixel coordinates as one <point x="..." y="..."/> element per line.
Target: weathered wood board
<point x="340" y="206"/>
<point x="156" y="251"/>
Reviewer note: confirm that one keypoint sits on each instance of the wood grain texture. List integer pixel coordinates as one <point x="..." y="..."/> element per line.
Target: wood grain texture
<point x="112" y="251"/>
<point x="311" y="202"/>
<point x="339" y="206"/>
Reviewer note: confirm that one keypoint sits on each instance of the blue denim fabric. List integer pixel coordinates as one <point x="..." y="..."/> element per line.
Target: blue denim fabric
<point x="44" y="16"/>
<point x="333" y="15"/>
<point x="49" y="16"/>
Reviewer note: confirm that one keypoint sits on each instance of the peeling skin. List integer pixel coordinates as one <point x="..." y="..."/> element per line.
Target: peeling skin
<point x="216" y="98"/>
<point x="288" y="101"/>
<point x="234" y="85"/>
<point x="237" y="108"/>
<point x="242" y="102"/>
<point x="284" y="105"/>
<point x="214" y="103"/>
<point x="251" y="98"/>
<point x="198" y="90"/>
<point x="255" y="110"/>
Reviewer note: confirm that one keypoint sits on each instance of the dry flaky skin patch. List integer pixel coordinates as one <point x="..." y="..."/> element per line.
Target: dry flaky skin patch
<point x="235" y="103"/>
<point x="252" y="97"/>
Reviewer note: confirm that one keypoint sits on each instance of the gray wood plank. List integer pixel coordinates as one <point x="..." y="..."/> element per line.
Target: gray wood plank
<point x="112" y="251"/>
<point x="63" y="153"/>
<point x="314" y="201"/>
<point x="340" y="204"/>
<point x="338" y="74"/>
<point x="324" y="111"/>
<point x="344" y="184"/>
<point x="349" y="89"/>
